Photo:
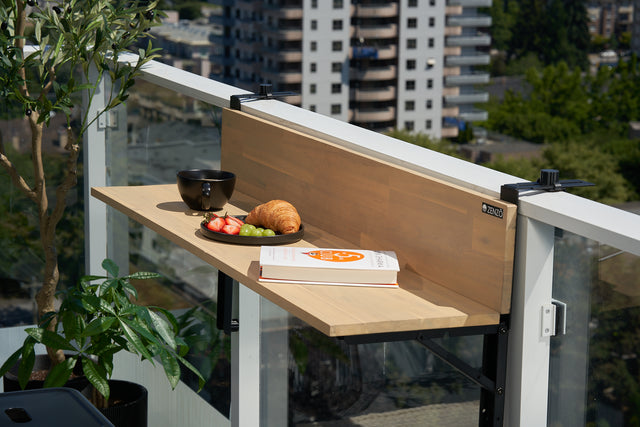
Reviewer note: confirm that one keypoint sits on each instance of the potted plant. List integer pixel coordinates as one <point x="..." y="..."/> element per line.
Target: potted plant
<point x="97" y="319"/>
<point x="70" y="39"/>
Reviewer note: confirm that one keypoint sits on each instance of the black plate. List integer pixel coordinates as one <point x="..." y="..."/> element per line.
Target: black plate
<point x="278" y="239"/>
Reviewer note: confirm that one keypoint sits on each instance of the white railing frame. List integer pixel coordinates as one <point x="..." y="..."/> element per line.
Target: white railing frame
<point x="539" y="214"/>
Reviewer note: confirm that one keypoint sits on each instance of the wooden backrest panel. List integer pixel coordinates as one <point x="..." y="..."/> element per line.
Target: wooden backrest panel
<point x="438" y="230"/>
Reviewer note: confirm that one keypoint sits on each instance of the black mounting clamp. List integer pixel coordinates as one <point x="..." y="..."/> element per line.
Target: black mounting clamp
<point x="264" y="92"/>
<point x="548" y="181"/>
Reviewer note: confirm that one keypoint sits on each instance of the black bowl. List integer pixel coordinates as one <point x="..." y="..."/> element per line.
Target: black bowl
<point x="206" y="189"/>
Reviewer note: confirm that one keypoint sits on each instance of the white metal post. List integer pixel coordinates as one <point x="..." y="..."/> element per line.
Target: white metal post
<point x="245" y="355"/>
<point x="95" y="211"/>
<point x="528" y="354"/>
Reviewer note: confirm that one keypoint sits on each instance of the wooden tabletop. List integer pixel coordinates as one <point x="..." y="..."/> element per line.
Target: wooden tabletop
<point x="419" y="304"/>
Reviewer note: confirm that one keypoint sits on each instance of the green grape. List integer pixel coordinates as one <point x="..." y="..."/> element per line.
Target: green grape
<point x="257" y="232"/>
<point x="247" y="230"/>
<point x="268" y="232"/>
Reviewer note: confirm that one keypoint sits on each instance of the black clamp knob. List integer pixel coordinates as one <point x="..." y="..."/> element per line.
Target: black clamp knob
<point x="548" y="181"/>
<point x="264" y="92"/>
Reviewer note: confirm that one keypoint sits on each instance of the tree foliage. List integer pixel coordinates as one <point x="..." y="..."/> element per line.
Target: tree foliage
<point x="552" y="31"/>
<point x="584" y="121"/>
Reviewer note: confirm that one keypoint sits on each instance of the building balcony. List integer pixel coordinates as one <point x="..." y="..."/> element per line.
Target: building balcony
<point x="468" y="98"/>
<point x="467" y="79"/>
<point x="477" y="40"/>
<point x="373" y="94"/>
<point x="469" y="3"/>
<point x="383" y="114"/>
<point x="474" y="115"/>
<point x="288" y="34"/>
<point x="381" y="10"/>
<point x="277" y="366"/>
<point x="476" y="21"/>
<point x="282" y="77"/>
<point x="464" y="60"/>
<point x="374" y="73"/>
<point x="382" y="31"/>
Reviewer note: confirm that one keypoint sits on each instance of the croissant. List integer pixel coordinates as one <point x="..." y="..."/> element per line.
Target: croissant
<point x="278" y="215"/>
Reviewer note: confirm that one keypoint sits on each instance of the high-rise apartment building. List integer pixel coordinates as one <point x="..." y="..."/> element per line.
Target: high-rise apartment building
<point x="406" y="64"/>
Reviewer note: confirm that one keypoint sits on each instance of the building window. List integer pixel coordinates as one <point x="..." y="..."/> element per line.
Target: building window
<point x="432" y="2"/>
<point x="314" y="4"/>
<point x="410" y="85"/>
<point x="429" y="83"/>
<point x="336" y="108"/>
<point x="411" y="64"/>
<point x="427" y="124"/>
<point x="336" y="67"/>
<point x="313" y="67"/>
<point x="432" y="21"/>
<point x="413" y="3"/>
<point x="314" y="24"/>
<point x="412" y="22"/>
<point x="337" y="4"/>
<point x="337" y="24"/>
<point x="412" y="43"/>
<point x="336" y="88"/>
<point x="409" y="105"/>
<point x="314" y="46"/>
<point x="431" y="42"/>
<point x="312" y="88"/>
<point x="408" y="125"/>
<point x="312" y="107"/>
<point x="429" y="104"/>
<point x="336" y="46"/>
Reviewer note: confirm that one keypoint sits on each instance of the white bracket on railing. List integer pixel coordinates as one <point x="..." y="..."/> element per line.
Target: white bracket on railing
<point x="108" y="119"/>
<point x="554" y="321"/>
<point x="548" y="320"/>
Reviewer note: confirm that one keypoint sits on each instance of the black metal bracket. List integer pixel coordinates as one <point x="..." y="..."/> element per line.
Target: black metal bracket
<point x="264" y="92"/>
<point x="548" y="181"/>
<point x="224" y="320"/>
<point x="491" y="377"/>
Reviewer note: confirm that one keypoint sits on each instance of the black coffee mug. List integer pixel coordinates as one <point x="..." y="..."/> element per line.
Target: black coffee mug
<point x="206" y="189"/>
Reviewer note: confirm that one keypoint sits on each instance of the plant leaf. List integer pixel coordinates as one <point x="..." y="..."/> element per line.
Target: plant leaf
<point x="129" y="287"/>
<point x="134" y="341"/>
<point x="10" y="362"/>
<point x="99" y="325"/>
<point x="100" y="382"/>
<point x="193" y="369"/>
<point x="50" y="339"/>
<point x="28" y="360"/>
<point x="143" y="275"/>
<point x="60" y="374"/>
<point x="162" y="327"/>
<point x="111" y="267"/>
<point x="171" y="368"/>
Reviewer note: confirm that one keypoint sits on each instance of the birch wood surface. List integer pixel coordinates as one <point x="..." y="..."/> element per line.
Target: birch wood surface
<point x="439" y="231"/>
<point x="333" y="310"/>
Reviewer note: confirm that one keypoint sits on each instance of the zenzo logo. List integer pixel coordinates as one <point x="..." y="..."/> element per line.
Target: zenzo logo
<point x="492" y="210"/>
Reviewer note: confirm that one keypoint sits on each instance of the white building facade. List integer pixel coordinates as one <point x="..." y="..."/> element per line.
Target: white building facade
<point x="406" y="64"/>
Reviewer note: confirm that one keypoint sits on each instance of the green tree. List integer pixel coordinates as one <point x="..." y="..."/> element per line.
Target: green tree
<point x="575" y="161"/>
<point x="553" y="31"/>
<point x="503" y="14"/>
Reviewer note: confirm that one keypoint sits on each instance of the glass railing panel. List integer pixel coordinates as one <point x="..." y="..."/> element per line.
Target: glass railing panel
<point x="594" y="376"/>
<point x="309" y="378"/>
<point x="22" y="257"/>
<point x="158" y="133"/>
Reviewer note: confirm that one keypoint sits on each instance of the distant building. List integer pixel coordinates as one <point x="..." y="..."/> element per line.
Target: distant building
<point x="186" y="45"/>
<point x="609" y="17"/>
<point x="635" y="28"/>
<point x="406" y="64"/>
